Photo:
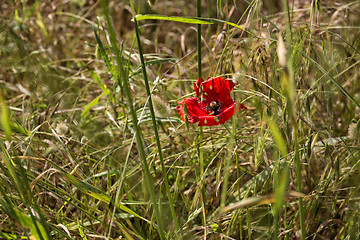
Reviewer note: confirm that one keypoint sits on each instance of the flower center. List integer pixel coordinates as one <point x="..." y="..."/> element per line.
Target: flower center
<point x="213" y="108"/>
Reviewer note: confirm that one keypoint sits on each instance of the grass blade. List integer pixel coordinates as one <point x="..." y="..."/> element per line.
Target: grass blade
<point x="139" y="140"/>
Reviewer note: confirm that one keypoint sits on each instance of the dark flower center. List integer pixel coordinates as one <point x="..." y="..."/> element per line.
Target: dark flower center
<point x="213" y="108"/>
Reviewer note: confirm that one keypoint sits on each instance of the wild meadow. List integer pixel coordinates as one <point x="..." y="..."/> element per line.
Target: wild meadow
<point x="107" y="130"/>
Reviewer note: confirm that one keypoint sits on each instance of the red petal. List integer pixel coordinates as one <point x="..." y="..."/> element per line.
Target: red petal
<point x="209" y="121"/>
<point x="197" y="86"/>
<point x="239" y="106"/>
<point x="227" y="113"/>
<point x="218" y="89"/>
<point x="213" y="89"/>
<point x="219" y="119"/>
<point x="194" y="107"/>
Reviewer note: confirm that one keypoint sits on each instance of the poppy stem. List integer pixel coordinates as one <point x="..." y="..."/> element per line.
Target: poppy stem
<point x="198" y="13"/>
<point x="201" y="155"/>
<point x="227" y="163"/>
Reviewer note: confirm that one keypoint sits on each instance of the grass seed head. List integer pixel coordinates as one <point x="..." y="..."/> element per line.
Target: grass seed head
<point x="281" y="52"/>
<point x="161" y="108"/>
<point x="354" y="130"/>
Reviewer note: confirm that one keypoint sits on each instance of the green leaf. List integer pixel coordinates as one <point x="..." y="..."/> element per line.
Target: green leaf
<point x="4" y="117"/>
<point x="280" y="189"/>
<point x="186" y="113"/>
<point x="192" y="20"/>
<point x="11" y="236"/>
<point x="87" y="107"/>
<point x="277" y="137"/>
<point x="173" y="19"/>
<point x="104" y="55"/>
<point x="18" y="128"/>
<point x="37" y="230"/>
<point x="81" y="232"/>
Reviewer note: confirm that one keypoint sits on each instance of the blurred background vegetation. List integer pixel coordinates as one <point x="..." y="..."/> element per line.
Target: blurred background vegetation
<point x="67" y="148"/>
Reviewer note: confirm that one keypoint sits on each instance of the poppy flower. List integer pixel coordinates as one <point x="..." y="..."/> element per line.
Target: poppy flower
<point x="215" y="106"/>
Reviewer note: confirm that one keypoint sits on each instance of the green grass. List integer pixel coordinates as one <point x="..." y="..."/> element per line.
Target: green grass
<point x="92" y="146"/>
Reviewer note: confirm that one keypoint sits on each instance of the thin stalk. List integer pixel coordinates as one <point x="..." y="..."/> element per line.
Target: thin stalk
<point x="231" y="152"/>
<point x="291" y="99"/>
<point x="200" y="151"/>
<point x="288" y="22"/>
<point x="153" y="119"/>
<point x="299" y="179"/>
<point x="198" y="13"/>
<point x="230" y="37"/>
<point x="140" y="145"/>
<point x="201" y="154"/>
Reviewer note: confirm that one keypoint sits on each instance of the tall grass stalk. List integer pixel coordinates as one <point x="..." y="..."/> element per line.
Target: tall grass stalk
<point x="227" y="43"/>
<point x="281" y="176"/>
<point x="124" y="80"/>
<point x="289" y="86"/>
<point x="152" y="113"/>
<point x="231" y="151"/>
<point x="200" y="150"/>
<point x="198" y="14"/>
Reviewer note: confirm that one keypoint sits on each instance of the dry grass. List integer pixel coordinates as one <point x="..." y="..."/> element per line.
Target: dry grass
<point x="71" y="167"/>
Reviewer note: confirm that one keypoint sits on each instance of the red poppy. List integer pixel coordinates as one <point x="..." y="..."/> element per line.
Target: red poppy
<point x="216" y="106"/>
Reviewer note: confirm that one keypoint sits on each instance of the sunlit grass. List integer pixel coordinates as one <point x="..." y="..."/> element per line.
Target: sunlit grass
<point x="84" y="155"/>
